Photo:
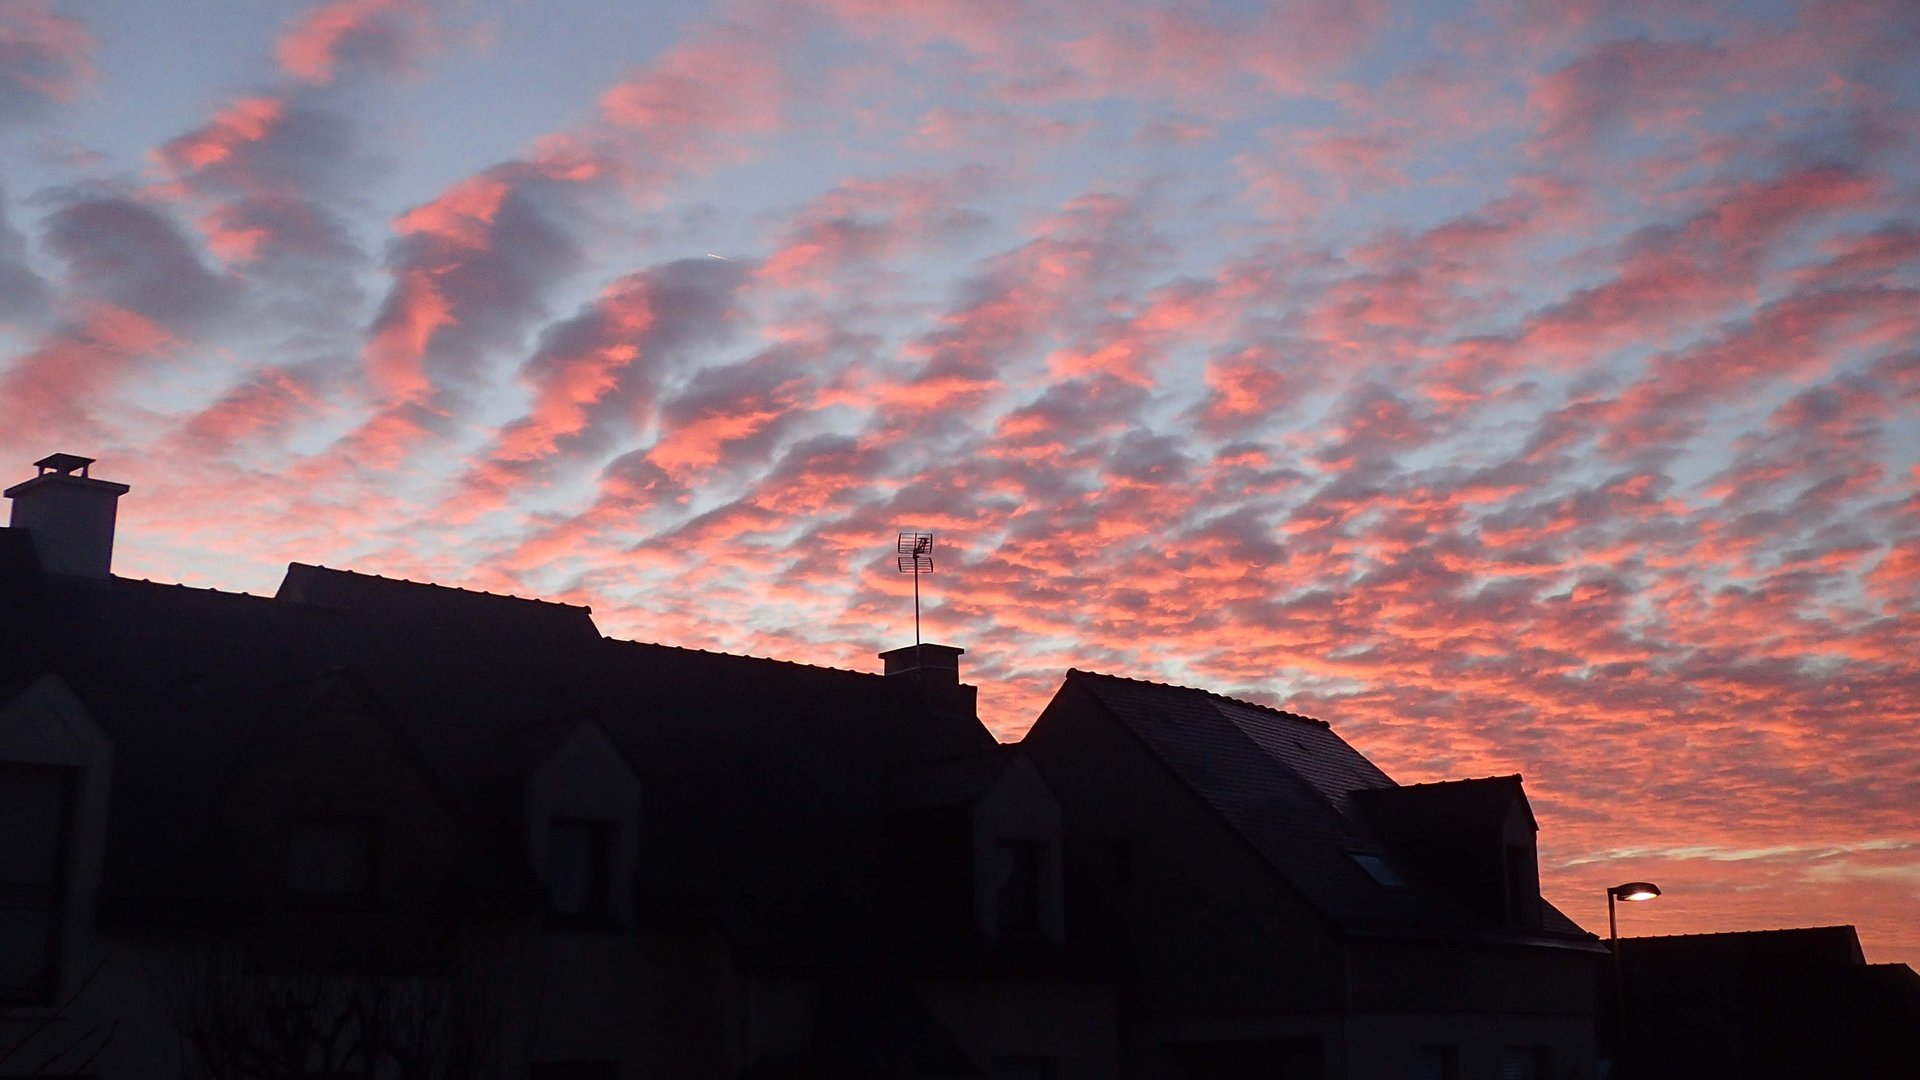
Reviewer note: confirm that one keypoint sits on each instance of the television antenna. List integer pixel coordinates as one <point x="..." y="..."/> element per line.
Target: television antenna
<point x="915" y="551"/>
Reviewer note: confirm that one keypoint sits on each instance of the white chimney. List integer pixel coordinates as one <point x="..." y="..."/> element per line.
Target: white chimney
<point x="69" y="515"/>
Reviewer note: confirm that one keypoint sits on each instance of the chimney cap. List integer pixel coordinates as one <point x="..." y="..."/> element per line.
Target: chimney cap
<point x="932" y="653"/>
<point x="64" y="464"/>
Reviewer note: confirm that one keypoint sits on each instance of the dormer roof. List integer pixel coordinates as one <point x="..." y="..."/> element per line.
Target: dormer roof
<point x="1293" y="790"/>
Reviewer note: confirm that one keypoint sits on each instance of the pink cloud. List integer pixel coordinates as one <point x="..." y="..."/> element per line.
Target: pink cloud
<point x="44" y="57"/>
<point x="384" y="34"/>
<point x="246" y="120"/>
<point x="1631" y="84"/>
<point x="689" y="107"/>
<point x="1361" y="162"/>
<point x="51" y="391"/>
<point x="254" y="410"/>
<point x="863" y="223"/>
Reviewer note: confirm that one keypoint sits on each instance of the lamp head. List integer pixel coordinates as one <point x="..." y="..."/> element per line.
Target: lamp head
<point x="1635" y="890"/>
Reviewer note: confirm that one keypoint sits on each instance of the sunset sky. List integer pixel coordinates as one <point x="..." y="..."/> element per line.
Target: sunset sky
<point x="1518" y="389"/>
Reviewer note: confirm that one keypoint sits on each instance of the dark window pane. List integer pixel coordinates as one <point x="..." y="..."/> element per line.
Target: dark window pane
<point x="33" y="815"/>
<point x="1524" y="1063"/>
<point x="570" y="1070"/>
<point x="329" y="858"/>
<point x="1438" y="1063"/>
<point x="36" y="803"/>
<point x="1022" y="1067"/>
<point x="1018" y="902"/>
<point x="1523" y="894"/>
<point x="579" y="870"/>
<point x="26" y="947"/>
<point x="1378" y="868"/>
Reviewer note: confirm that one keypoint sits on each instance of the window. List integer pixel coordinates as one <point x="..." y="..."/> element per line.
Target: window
<point x="36" y="812"/>
<point x="1523" y="891"/>
<point x="1124" y="859"/>
<point x="1526" y="1063"/>
<point x="330" y="860"/>
<point x="1438" y="1063"/>
<point x="1017" y="901"/>
<point x="1377" y="868"/>
<point x="570" y="1070"/>
<point x="579" y="871"/>
<point x="1022" y="1067"/>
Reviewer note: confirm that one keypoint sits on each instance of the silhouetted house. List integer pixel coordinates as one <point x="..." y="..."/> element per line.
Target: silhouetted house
<point x="376" y="828"/>
<point x="1283" y="909"/>
<point x="372" y="827"/>
<point x="1768" y="1003"/>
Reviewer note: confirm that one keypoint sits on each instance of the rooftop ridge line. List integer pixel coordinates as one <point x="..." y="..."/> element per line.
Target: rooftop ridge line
<point x="1746" y="933"/>
<point x="1517" y="777"/>
<point x="448" y="588"/>
<point x="214" y="590"/>
<point x="741" y="656"/>
<point x="1302" y="718"/>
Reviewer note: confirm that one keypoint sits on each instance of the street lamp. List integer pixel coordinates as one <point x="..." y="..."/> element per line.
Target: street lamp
<point x="1632" y="892"/>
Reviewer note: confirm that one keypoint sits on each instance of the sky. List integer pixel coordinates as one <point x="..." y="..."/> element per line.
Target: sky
<point x="1517" y="387"/>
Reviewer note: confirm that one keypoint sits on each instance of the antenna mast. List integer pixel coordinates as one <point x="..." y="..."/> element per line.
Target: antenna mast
<point x="916" y="557"/>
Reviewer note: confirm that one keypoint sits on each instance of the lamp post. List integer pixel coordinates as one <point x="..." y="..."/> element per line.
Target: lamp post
<point x="1632" y="891"/>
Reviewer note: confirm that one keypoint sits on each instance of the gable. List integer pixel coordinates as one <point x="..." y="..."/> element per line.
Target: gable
<point x="329" y="762"/>
<point x="1292" y="790"/>
<point x="42" y="722"/>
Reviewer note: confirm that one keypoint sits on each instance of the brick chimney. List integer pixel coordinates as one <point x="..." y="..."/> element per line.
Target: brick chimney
<point x="69" y="515"/>
<point x="937" y="669"/>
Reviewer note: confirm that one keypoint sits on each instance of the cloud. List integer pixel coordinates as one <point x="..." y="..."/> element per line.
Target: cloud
<point x="599" y="374"/>
<point x="135" y="257"/>
<point x="23" y="293"/>
<point x="45" y="58"/>
<point x="388" y="36"/>
<point x="689" y="107"/>
<point x="52" y="390"/>
<point x="472" y="269"/>
<point x="861" y="225"/>
<point x="1624" y="87"/>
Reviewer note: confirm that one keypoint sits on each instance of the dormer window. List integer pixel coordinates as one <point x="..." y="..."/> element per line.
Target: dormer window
<point x="1523" y="886"/>
<point x="579" y="870"/>
<point x="36" y="811"/>
<point x="330" y="860"/>
<point x="583" y="832"/>
<point x="1018" y="898"/>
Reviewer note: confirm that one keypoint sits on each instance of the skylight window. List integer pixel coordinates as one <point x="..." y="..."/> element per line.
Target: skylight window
<point x="1379" y="869"/>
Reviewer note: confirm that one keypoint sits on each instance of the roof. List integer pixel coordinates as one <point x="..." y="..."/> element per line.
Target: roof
<point x="1480" y="800"/>
<point x="443" y="610"/>
<point x="1294" y="791"/>
<point x="761" y="777"/>
<point x="1837" y="946"/>
<point x="1787" y="1003"/>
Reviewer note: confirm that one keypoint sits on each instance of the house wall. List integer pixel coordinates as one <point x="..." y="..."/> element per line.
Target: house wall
<point x="587" y="777"/>
<point x="1210" y="932"/>
<point x="45" y="724"/>
<point x="778" y="1014"/>
<point x="653" y="1003"/>
<point x="1426" y="976"/>
<point x="1069" y="1024"/>
<point x="1478" y="999"/>
<point x="1388" y="1045"/>
<point x="1017" y="807"/>
<point x="1234" y="975"/>
<point x="335" y="758"/>
<point x="101" y="1006"/>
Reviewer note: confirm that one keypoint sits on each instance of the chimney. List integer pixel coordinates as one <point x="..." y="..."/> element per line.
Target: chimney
<point x="937" y="669"/>
<point x="69" y="516"/>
